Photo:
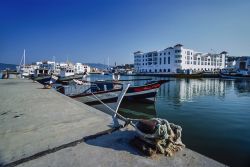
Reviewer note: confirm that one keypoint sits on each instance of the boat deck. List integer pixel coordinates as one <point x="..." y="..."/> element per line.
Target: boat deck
<point x="41" y="127"/>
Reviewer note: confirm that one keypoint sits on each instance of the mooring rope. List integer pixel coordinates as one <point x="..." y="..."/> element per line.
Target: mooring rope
<point x="123" y="118"/>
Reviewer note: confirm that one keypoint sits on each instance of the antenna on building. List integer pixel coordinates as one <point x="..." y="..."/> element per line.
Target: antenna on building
<point x="54" y="59"/>
<point x="213" y="51"/>
<point x="67" y="60"/>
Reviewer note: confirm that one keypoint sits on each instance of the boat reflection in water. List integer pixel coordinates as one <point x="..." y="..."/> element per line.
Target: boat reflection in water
<point x="131" y="109"/>
<point x="137" y="110"/>
<point x="242" y="87"/>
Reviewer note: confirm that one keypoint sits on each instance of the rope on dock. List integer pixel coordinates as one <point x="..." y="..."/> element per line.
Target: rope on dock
<point x="164" y="135"/>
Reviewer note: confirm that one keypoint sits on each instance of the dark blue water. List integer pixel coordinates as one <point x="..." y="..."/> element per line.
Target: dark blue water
<point x="214" y="115"/>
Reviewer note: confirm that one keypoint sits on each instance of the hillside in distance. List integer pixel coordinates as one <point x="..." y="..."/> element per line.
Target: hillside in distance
<point x="4" y="66"/>
<point x="98" y="65"/>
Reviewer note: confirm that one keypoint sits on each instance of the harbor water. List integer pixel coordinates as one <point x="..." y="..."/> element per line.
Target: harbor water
<point x="214" y="115"/>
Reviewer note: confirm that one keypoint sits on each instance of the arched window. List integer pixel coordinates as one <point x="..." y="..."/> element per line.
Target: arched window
<point x="165" y="70"/>
<point x="160" y="70"/>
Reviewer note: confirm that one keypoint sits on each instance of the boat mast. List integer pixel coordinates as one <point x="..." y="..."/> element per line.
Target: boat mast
<point x="24" y="58"/>
<point x="108" y="62"/>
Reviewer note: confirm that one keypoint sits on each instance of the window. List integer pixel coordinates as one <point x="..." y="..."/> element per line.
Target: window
<point x="160" y="70"/>
<point x="164" y="53"/>
<point x="164" y="70"/>
<point x="160" y="61"/>
<point x="188" y="52"/>
<point x="169" y="70"/>
<point x="160" y="54"/>
<point x="168" y="53"/>
<point x="168" y="60"/>
<point x="178" y="56"/>
<point x="155" y="70"/>
<point x="164" y="60"/>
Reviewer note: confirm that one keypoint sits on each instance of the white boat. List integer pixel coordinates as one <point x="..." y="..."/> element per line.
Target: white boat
<point x="67" y="71"/>
<point x="23" y="69"/>
<point x="241" y="69"/>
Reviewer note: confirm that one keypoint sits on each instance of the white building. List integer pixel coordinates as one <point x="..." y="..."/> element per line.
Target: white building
<point x="176" y="59"/>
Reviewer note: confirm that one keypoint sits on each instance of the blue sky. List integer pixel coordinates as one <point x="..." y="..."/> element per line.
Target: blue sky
<point x="93" y="30"/>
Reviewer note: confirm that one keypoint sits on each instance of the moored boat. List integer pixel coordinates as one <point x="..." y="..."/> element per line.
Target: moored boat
<point x="195" y="75"/>
<point x="144" y="93"/>
<point x="43" y="79"/>
<point x="234" y="76"/>
<point x="92" y="92"/>
<point x="108" y="92"/>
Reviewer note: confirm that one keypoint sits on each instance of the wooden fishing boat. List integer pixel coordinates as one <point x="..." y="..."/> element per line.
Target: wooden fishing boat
<point x="92" y="92"/>
<point x="234" y="76"/>
<point x="196" y="75"/>
<point x="42" y="79"/>
<point x="144" y="93"/>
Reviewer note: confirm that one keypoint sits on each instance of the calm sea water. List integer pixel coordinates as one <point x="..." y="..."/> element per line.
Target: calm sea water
<point x="214" y="115"/>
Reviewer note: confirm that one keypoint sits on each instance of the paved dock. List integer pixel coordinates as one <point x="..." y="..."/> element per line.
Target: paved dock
<point x="41" y="127"/>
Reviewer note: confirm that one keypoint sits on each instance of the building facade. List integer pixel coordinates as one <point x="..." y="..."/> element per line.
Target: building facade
<point x="176" y="59"/>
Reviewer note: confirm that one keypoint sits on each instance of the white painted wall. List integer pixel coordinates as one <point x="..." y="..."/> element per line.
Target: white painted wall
<point x="180" y="58"/>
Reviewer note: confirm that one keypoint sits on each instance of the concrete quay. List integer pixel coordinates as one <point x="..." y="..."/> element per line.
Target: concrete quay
<point x="41" y="127"/>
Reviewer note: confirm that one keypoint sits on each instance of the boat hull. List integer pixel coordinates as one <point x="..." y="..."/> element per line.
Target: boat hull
<point x="43" y="80"/>
<point x="145" y="93"/>
<point x="229" y="76"/>
<point x="105" y="96"/>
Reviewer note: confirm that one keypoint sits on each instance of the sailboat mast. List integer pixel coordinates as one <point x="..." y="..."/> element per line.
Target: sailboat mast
<point x="108" y="62"/>
<point x="24" y="57"/>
